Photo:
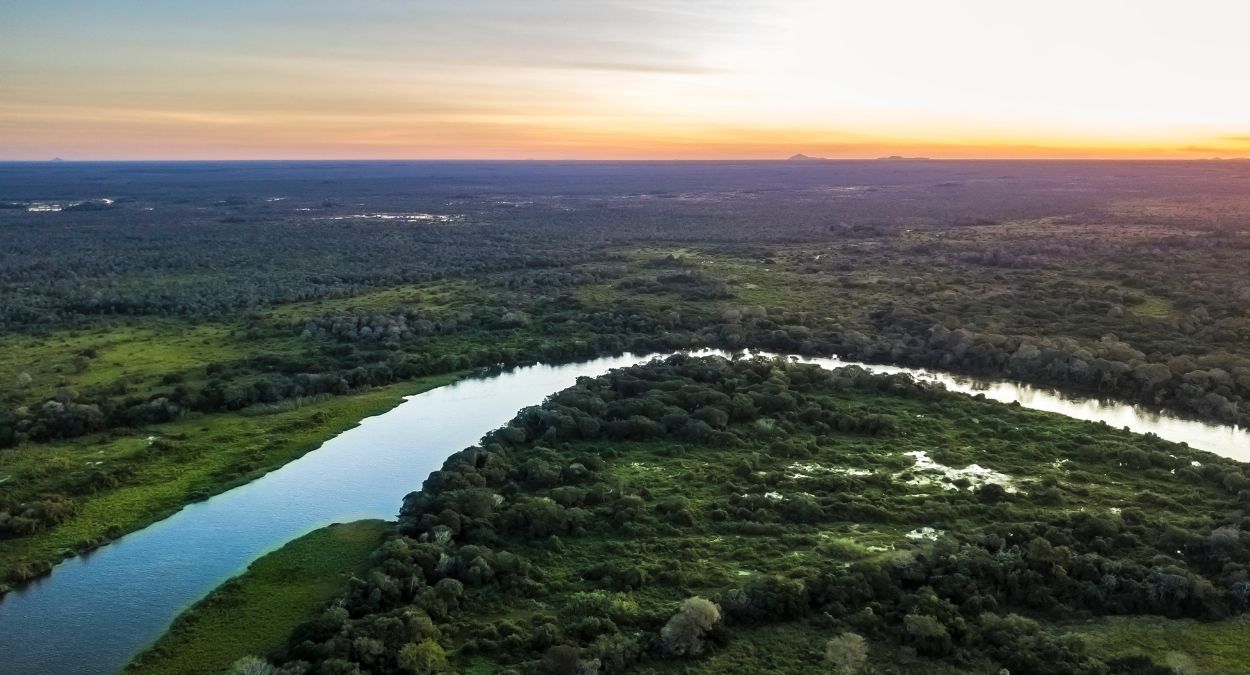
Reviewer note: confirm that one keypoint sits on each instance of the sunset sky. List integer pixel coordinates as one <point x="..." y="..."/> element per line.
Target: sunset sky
<point x="547" y="79"/>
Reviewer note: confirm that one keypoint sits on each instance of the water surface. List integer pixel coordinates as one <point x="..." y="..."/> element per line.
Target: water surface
<point x="1227" y="440"/>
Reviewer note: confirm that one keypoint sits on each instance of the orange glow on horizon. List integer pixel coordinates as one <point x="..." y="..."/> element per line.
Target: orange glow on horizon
<point x="160" y="135"/>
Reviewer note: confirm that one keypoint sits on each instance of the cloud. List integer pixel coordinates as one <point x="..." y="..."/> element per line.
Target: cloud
<point x="611" y="78"/>
<point x="637" y="67"/>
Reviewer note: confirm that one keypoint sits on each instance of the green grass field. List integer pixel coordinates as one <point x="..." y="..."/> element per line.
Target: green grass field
<point x="1153" y="308"/>
<point x="253" y="613"/>
<point x="1190" y="647"/>
<point x="138" y="354"/>
<point x="425" y="297"/>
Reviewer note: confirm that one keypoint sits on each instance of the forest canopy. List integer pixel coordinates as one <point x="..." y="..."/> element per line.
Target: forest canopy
<point x="668" y="516"/>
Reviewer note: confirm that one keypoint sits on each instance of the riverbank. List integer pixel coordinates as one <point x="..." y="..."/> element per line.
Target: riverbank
<point x="253" y="613"/>
<point x="123" y="597"/>
<point x="180" y="463"/>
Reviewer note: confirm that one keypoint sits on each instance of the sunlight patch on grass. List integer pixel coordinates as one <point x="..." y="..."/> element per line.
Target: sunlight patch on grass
<point x="1153" y="308"/>
<point x="1205" y="647"/>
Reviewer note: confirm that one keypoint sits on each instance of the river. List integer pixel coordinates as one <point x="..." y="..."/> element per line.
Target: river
<point x="95" y="612"/>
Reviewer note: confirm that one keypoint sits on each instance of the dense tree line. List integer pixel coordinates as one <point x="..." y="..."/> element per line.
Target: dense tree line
<point x="205" y="240"/>
<point x="1215" y="386"/>
<point x="1212" y="387"/>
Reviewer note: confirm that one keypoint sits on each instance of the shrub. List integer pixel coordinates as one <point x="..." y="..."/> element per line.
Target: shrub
<point x="423" y="658"/>
<point x="449" y="591"/>
<point x="768" y="598"/>
<point x="846" y="653"/>
<point x="802" y="509"/>
<point x="565" y="660"/>
<point x="927" y="634"/>
<point x="252" y="665"/>
<point x="684" y="633"/>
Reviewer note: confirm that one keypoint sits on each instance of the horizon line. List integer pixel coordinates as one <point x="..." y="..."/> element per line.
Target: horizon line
<point x="710" y="160"/>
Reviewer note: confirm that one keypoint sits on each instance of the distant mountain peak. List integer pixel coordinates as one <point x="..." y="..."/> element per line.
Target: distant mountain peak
<point x="804" y="158"/>
<point x="57" y="159"/>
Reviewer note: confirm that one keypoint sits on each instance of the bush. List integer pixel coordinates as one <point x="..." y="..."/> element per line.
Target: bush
<point x="768" y="598"/>
<point x="802" y="509"/>
<point x="252" y="665"/>
<point x="684" y="633"/>
<point x="846" y="653"/>
<point x="927" y="634"/>
<point x="422" y="659"/>
<point x="566" y="660"/>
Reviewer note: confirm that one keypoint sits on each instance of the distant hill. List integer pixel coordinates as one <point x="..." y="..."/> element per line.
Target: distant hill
<point x="892" y="158"/>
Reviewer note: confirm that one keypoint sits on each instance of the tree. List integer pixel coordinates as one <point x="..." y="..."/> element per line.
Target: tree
<point x="252" y="665"/>
<point x="423" y="658"/>
<point x="449" y="591"/>
<point x="927" y="634"/>
<point x="683" y="634"/>
<point x="846" y="653"/>
<point x="563" y="660"/>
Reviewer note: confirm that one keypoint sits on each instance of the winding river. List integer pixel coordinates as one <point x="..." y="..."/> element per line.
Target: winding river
<point x="95" y="612"/>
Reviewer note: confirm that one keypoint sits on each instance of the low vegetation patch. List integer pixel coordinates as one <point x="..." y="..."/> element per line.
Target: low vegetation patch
<point x="1184" y="645"/>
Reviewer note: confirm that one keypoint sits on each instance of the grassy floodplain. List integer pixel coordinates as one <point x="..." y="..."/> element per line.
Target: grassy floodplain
<point x="254" y="613"/>
<point x="1185" y="645"/>
<point x="172" y="464"/>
